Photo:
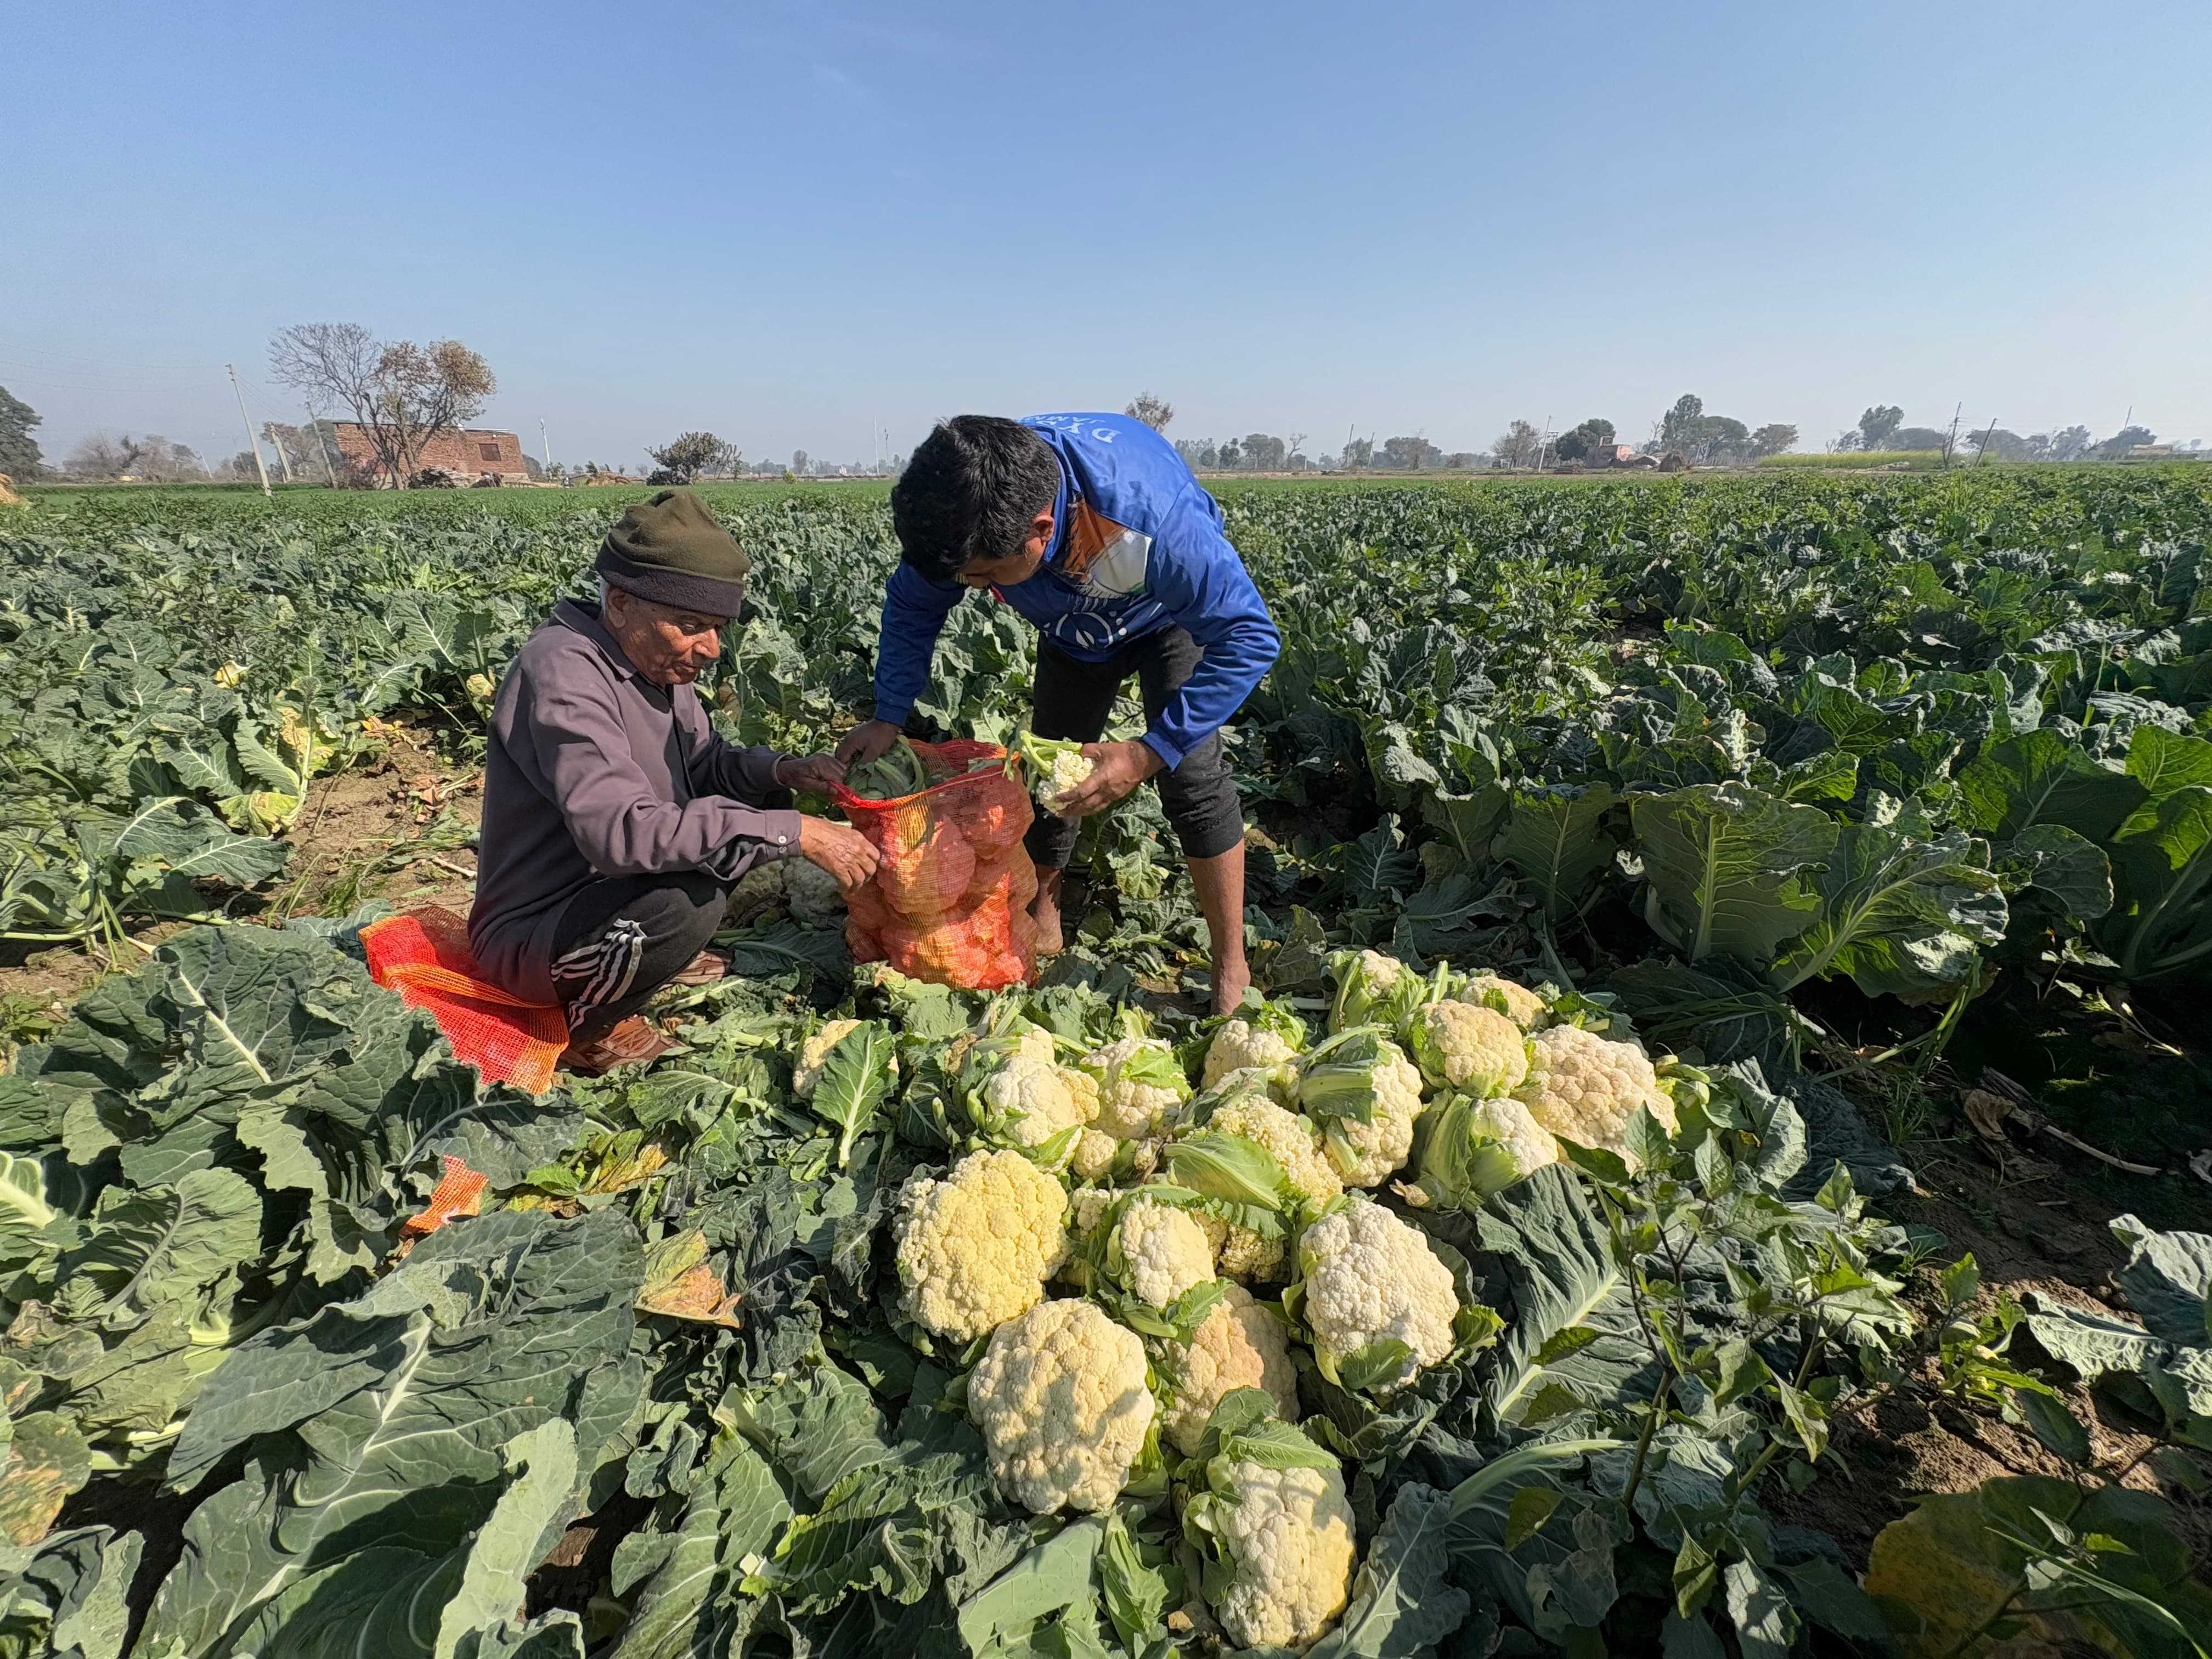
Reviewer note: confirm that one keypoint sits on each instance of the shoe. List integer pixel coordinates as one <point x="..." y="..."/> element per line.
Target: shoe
<point x="704" y="968"/>
<point x="633" y="1041"/>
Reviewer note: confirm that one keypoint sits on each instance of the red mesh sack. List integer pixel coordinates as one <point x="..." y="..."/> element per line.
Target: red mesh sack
<point x="425" y="956"/>
<point x="950" y="903"/>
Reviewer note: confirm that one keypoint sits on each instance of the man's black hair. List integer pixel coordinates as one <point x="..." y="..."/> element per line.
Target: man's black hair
<point x="971" y="491"/>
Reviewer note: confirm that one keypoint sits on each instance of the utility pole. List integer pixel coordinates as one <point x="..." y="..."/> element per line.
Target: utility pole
<point x="546" y="448"/>
<point x="269" y="431"/>
<point x="1983" y="454"/>
<point x="259" y="465"/>
<point x="314" y="425"/>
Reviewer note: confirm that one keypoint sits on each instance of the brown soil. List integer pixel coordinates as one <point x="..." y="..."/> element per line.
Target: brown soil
<point x="396" y="828"/>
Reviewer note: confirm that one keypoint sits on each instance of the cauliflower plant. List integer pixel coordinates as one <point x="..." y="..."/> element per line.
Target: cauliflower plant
<point x="975" y="1246"/>
<point x="1238" y="1047"/>
<point x="1290" y="1138"/>
<point x="1364" y="1092"/>
<point x="1516" y="1002"/>
<point x="806" y="1076"/>
<point x="1240" y="1344"/>
<point x="1474" y="1050"/>
<point x="1139" y="1086"/>
<point x="1472" y="1148"/>
<point x="1161" y="1250"/>
<point x="1585" y="1088"/>
<point x="1274" y="1528"/>
<point x="1365" y="1277"/>
<point x="1373" y="989"/>
<point x="1061" y="1398"/>
<point x="1025" y="1099"/>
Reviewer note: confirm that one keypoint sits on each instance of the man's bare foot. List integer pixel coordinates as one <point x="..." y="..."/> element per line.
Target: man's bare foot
<point x="1231" y="981"/>
<point x="1045" y="913"/>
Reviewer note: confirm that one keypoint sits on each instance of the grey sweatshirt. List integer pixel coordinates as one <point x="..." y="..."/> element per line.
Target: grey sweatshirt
<point x="592" y="770"/>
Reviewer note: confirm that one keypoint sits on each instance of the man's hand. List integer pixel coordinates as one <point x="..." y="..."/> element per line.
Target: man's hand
<point x="1117" y="767"/>
<point x="865" y="741"/>
<point x="842" y="850"/>
<point x="812" y="774"/>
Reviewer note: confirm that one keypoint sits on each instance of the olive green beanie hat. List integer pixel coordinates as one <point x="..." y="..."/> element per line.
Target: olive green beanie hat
<point x="672" y="550"/>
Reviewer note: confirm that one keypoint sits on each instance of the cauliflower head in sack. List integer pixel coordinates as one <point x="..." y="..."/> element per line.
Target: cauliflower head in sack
<point x="1239" y="1046"/>
<point x="1060" y="1397"/>
<point x="1290" y="1138"/>
<point x="1362" y="1069"/>
<point x="1516" y="1002"/>
<point x="1584" y="1088"/>
<point x="1139" y="1086"/>
<point x="1239" y="1345"/>
<point x="806" y="1076"/>
<point x="1367" y="1277"/>
<point x="1474" y="1050"/>
<point x="1167" y="1251"/>
<point x="975" y="1245"/>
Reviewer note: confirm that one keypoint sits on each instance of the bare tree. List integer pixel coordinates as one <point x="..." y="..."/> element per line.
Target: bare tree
<point x="1517" y="445"/>
<point x="798" y="462"/>
<point x="1154" y="412"/>
<point x="402" y="394"/>
<point x="1296" y="443"/>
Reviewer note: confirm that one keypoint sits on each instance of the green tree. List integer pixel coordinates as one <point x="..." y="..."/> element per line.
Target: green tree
<point x="2124" y="439"/>
<point x="1878" y="424"/>
<point x="1775" y="437"/>
<point x="686" y="456"/>
<point x="19" y="453"/>
<point x="1578" y="443"/>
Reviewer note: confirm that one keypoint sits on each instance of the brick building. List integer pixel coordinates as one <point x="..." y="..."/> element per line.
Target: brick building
<point x="470" y="453"/>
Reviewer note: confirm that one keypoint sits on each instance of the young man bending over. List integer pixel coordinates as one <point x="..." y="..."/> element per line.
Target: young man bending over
<point x="1091" y="527"/>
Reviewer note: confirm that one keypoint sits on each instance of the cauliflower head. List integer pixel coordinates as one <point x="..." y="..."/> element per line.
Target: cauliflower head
<point x="806" y="1076"/>
<point x="1244" y="1253"/>
<point x="1060" y="1397"/>
<point x="1516" y="1002"/>
<point x="810" y="892"/>
<point x="1585" y="1088"/>
<point x="1165" y="1251"/>
<point x="1239" y="1345"/>
<point x="1139" y="1086"/>
<point x="1472" y="1148"/>
<point x="1291" y="1138"/>
<point x="1240" y="1046"/>
<point x="1371" y="988"/>
<point x="1367" y="1277"/>
<point x="975" y="1246"/>
<point x="1290" y="1533"/>
<point x="1094" y="1152"/>
<point x="1474" y="1050"/>
<point x="1032" y="1099"/>
<point x="1362" y="1071"/>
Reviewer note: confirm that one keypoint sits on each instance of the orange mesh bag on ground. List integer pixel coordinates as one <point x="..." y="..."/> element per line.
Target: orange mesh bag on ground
<point x="950" y="903"/>
<point x="424" y="956"/>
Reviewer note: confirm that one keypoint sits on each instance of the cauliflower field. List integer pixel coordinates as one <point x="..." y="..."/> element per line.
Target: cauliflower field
<point x="1497" y="1280"/>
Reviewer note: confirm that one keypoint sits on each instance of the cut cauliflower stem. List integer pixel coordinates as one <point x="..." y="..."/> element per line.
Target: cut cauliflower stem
<point x="975" y="1246"/>
<point x="806" y="1076"/>
<point x="1516" y="1002"/>
<point x="1239" y="1345"/>
<point x="1584" y="1088"/>
<point x="1367" y="1277"/>
<point x="1060" y="1397"/>
<point x="1475" y="1050"/>
<point x="1165" y="1251"/>
<point x="1358" y="1071"/>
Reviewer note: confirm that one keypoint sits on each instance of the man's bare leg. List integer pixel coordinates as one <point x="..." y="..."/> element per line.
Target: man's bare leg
<point x="1220" y="883"/>
<point x="1045" y="909"/>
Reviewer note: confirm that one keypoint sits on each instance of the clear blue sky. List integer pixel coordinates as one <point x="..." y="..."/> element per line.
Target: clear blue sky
<point x="786" y="222"/>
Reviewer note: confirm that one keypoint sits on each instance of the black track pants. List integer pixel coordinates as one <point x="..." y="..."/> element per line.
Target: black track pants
<point x="623" y="937"/>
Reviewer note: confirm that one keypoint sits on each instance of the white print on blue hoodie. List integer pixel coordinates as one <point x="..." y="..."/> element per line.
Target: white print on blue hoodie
<point x="1137" y="546"/>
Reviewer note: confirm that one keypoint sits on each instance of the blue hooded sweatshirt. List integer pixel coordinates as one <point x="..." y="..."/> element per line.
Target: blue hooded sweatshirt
<point x="1137" y="546"/>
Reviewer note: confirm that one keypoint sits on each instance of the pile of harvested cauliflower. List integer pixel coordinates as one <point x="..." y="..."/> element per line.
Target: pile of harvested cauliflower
<point x="1140" y="1270"/>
